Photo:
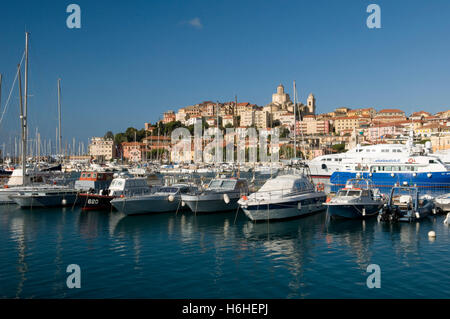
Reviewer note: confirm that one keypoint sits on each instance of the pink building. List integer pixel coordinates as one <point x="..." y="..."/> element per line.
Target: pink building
<point x="376" y="132"/>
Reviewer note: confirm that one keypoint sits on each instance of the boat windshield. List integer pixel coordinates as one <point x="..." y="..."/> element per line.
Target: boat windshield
<point x="228" y="184"/>
<point x="168" y="190"/>
<point x="215" y="183"/>
<point x="349" y="193"/>
<point x="224" y="184"/>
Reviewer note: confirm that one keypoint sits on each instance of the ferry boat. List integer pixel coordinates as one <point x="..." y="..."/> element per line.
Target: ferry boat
<point x="324" y="166"/>
<point x="221" y="194"/>
<point x="122" y="185"/>
<point x="421" y="171"/>
<point x="286" y="196"/>
<point x="358" y="199"/>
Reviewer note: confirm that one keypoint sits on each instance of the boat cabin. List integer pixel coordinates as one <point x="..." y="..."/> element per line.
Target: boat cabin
<point x="175" y="189"/>
<point x="93" y="181"/>
<point x="129" y="186"/>
<point x="359" y="187"/>
<point x="286" y="186"/>
<point x="228" y="184"/>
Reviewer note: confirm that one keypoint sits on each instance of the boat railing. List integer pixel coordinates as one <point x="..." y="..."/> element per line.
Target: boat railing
<point x="279" y="193"/>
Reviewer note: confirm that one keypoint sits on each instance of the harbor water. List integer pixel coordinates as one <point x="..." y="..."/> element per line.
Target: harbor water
<point x="182" y="255"/>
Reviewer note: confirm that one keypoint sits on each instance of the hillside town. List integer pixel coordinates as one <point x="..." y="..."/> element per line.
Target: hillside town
<point x="316" y="134"/>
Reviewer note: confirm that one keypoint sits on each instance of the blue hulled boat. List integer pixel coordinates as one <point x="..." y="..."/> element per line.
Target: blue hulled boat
<point x="358" y="199"/>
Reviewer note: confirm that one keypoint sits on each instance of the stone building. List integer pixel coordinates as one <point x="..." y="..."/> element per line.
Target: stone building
<point x="102" y="148"/>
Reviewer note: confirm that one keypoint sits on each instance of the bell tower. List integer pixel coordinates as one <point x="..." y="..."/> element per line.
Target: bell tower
<point x="311" y="104"/>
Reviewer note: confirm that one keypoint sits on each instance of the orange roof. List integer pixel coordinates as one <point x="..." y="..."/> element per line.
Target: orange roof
<point x="132" y="144"/>
<point x="391" y="111"/>
<point x="155" y="138"/>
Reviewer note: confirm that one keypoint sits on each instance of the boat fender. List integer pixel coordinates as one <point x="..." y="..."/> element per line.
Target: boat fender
<point x="226" y="199"/>
<point x="417" y="215"/>
<point x="447" y="219"/>
<point x="244" y="197"/>
<point x="171" y="198"/>
<point x="64" y="202"/>
<point x="429" y="175"/>
<point x="183" y="203"/>
<point x="432" y="233"/>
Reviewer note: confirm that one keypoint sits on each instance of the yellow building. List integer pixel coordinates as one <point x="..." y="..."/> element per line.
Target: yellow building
<point x="346" y="123"/>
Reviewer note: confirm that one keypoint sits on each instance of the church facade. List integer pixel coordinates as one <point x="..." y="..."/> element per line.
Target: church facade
<point x="281" y="105"/>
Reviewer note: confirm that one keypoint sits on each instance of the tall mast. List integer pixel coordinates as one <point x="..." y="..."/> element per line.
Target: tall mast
<point x="0" y="91"/>
<point x="22" y="125"/>
<point x="25" y="98"/>
<point x="295" y="122"/>
<point x="59" y="116"/>
<point x="24" y="113"/>
<point x="217" y="133"/>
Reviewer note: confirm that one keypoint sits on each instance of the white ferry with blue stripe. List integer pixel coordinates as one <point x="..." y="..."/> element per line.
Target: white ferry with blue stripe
<point x="421" y="171"/>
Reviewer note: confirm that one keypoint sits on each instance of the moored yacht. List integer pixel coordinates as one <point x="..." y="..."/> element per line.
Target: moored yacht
<point x="165" y="199"/>
<point x="283" y="197"/>
<point x="405" y="205"/>
<point x="122" y="185"/>
<point x="51" y="196"/>
<point x="32" y="180"/>
<point x="358" y="199"/>
<point x="221" y="194"/>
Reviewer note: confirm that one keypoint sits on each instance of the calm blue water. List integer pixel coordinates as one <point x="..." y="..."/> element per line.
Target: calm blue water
<point x="208" y="256"/>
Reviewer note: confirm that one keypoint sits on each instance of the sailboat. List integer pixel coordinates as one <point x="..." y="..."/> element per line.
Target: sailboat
<point x="25" y="179"/>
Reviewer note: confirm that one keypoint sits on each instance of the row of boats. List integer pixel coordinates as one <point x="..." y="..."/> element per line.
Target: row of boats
<point x="282" y="197"/>
<point x="285" y="196"/>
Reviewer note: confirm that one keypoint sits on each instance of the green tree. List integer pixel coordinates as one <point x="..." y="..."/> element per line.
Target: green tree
<point x="338" y="147"/>
<point x="120" y="138"/>
<point x="109" y="135"/>
<point x="276" y="123"/>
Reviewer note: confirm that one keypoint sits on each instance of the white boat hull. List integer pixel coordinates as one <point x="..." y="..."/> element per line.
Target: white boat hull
<point x="284" y="210"/>
<point x="139" y="206"/>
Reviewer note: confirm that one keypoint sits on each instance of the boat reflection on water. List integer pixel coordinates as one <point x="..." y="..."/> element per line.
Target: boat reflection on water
<point x="183" y="225"/>
<point x="357" y="235"/>
<point x="406" y="238"/>
<point x="289" y="245"/>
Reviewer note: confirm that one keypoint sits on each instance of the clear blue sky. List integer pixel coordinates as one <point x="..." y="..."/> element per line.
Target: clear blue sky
<point x="131" y="60"/>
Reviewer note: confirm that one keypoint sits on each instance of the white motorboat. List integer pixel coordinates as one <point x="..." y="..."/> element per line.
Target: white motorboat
<point x="442" y="203"/>
<point x="50" y="196"/>
<point x="221" y="194"/>
<point x="33" y="179"/>
<point x="165" y="199"/>
<point x="283" y="197"/>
